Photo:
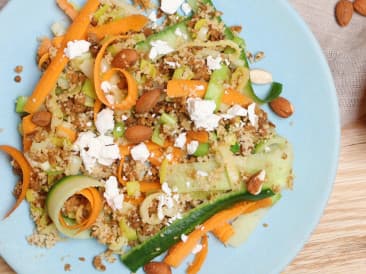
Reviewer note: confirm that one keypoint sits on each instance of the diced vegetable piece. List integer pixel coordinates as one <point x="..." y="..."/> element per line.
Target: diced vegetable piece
<point x="157" y="138"/>
<point x="183" y="73"/>
<point x="88" y="89"/>
<point x="168" y="119"/>
<point x="202" y="150"/>
<point x="133" y="188"/>
<point x="127" y="231"/>
<point x="21" y="101"/>
<point x="119" y="130"/>
<point x="215" y="89"/>
<point x="154" y="246"/>
<point x="235" y="148"/>
<point x="163" y="172"/>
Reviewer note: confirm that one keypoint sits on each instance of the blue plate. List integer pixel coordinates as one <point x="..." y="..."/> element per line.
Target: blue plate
<point x="294" y="58"/>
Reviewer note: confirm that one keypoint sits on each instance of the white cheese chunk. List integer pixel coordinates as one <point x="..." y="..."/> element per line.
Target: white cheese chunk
<point x="213" y="63"/>
<point x="202" y="114"/>
<point x="140" y="153"/>
<point x="170" y="6"/>
<point x="253" y="118"/>
<point x="105" y="121"/>
<point x="180" y="142"/>
<point x="112" y="194"/>
<point x="159" y="47"/>
<point x="235" y="111"/>
<point x="192" y="147"/>
<point x="76" y="48"/>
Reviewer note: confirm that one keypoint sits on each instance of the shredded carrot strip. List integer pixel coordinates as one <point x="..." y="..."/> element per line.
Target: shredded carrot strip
<point x="149" y="186"/>
<point x="43" y="59"/>
<point x="224" y="232"/>
<point x="233" y="97"/>
<point x="49" y="78"/>
<point x="123" y="25"/>
<point x="27" y="143"/>
<point x="96" y="108"/>
<point x="69" y="9"/>
<point x="186" y="88"/>
<point x="200" y="257"/>
<point x="57" y="41"/>
<point x="26" y="170"/>
<point x="44" y="46"/>
<point x="66" y="132"/>
<point x="181" y="250"/>
<point x="124" y="151"/>
<point x="66" y="225"/>
<point x="200" y="136"/>
<point x="132" y="95"/>
<point x="134" y="201"/>
<point x="155" y="157"/>
<point x="96" y="207"/>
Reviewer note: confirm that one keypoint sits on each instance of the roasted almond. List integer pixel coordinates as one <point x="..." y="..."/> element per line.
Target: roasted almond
<point x="157" y="268"/>
<point x="147" y="101"/>
<point x="344" y="12"/>
<point x="125" y="58"/>
<point x="282" y="107"/>
<point x="138" y="134"/>
<point x="360" y="6"/>
<point x="255" y="183"/>
<point x="42" y="118"/>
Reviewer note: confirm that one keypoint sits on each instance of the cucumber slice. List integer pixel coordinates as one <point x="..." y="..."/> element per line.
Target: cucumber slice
<point x="170" y="235"/>
<point x="58" y="195"/>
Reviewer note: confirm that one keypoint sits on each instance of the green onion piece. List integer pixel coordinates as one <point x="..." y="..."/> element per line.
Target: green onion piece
<point x="21" y="101"/>
<point x="202" y="150"/>
<point x="119" y="130"/>
<point x="167" y="119"/>
<point x="88" y="89"/>
<point x="274" y="92"/>
<point x="100" y="12"/>
<point x="133" y="188"/>
<point x="89" y="102"/>
<point x="183" y="73"/>
<point x="156" y="138"/>
<point x="235" y="148"/>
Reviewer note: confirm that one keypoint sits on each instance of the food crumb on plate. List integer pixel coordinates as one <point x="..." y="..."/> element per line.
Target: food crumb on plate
<point x="67" y="267"/>
<point x="98" y="263"/>
<point x="17" y="79"/>
<point x="18" y="69"/>
<point x="81" y="259"/>
<point x="265" y="225"/>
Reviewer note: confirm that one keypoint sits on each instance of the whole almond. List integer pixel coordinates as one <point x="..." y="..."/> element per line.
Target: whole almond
<point x="42" y="118"/>
<point x="344" y="12"/>
<point x="255" y="183"/>
<point x="157" y="268"/>
<point x="282" y="107"/>
<point x="147" y="101"/>
<point x="360" y="6"/>
<point x="138" y="134"/>
<point x="125" y="58"/>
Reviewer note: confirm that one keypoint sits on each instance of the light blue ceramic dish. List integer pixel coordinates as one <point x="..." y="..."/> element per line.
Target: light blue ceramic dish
<point x="294" y="58"/>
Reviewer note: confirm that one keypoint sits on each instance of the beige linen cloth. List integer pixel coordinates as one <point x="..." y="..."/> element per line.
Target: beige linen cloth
<point x="345" y="49"/>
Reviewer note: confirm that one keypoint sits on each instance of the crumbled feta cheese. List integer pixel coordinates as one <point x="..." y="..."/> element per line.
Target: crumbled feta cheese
<point x="235" y="111"/>
<point x="188" y="184"/>
<point x="105" y="121"/>
<point x="165" y="201"/>
<point x="159" y="47"/>
<point x="213" y="63"/>
<point x="184" y="238"/>
<point x="58" y="28"/>
<point x="192" y="147"/>
<point x="112" y="194"/>
<point x="179" y="33"/>
<point x="140" y="153"/>
<point x="172" y="65"/>
<point x="124" y="117"/>
<point x="95" y="150"/>
<point x="267" y="149"/>
<point x="202" y="114"/>
<point x="153" y="18"/>
<point x="89" y="124"/>
<point x="170" y="6"/>
<point x="186" y="8"/>
<point x="76" y="48"/>
<point x="181" y="140"/>
<point x="202" y="173"/>
<point x="260" y="77"/>
<point x="197" y="249"/>
<point x="253" y="118"/>
<point x="166" y="189"/>
<point x="106" y="86"/>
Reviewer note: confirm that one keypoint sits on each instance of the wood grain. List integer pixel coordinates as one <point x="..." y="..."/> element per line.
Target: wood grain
<point x="338" y="244"/>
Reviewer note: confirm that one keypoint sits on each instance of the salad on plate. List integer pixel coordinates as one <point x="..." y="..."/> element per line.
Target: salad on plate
<point x="144" y="132"/>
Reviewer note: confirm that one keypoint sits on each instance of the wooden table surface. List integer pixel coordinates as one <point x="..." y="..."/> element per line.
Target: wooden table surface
<point x="338" y="244"/>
